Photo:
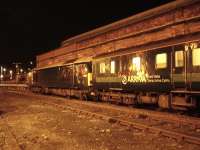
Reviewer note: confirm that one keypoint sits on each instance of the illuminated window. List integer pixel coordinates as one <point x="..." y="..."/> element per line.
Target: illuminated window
<point x="102" y="68"/>
<point x="136" y="63"/>
<point x="161" y="60"/>
<point x="179" y="59"/>
<point x="196" y="57"/>
<point x="112" y="67"/>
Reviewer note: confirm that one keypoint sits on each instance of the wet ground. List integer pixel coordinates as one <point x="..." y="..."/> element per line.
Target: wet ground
<point x="27" y="124"/>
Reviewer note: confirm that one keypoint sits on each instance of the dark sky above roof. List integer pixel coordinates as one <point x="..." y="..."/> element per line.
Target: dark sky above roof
<point x="31" y="27"/>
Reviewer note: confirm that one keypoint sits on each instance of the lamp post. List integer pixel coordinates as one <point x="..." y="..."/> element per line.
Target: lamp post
<point x="1" y="75"/>
<point x="11" y="74"/>
<point x="17" y="71"/>
<point x="4" y="72"/>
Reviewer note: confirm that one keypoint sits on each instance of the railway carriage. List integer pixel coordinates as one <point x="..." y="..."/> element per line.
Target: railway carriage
<point x="152" y="57"/>
<point x="167" y="75"/>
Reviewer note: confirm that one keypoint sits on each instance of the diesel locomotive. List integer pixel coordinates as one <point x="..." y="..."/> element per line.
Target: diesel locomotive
<point x="149" y="58"/>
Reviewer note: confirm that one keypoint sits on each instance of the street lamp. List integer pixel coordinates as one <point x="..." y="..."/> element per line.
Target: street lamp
<point x="4" y="73"/>
<point x="11" y="74"/>
<point x="21" y="70"/>
<point x="17" y="71"/>
<point x="1" y="75"/>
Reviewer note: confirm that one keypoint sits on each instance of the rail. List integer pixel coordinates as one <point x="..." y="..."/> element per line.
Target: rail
<point x="138" y="125"/>
<point x="13" y="85"/>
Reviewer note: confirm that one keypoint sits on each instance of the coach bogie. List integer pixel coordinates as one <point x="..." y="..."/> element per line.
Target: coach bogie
<point x="147" y="99"/>
<point x="129" y="99"/>
<point x="183" y="101"/>
<point x="164" y="101"/>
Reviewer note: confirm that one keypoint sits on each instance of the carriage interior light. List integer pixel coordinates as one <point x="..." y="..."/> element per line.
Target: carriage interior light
<point x="179" y="62"/>
<point x="196" y="56"/>
<point x="161" y="60"/>
<point x="136" y="63"/>
<point x="112" y="67"/>
<point x="102" y="67"/>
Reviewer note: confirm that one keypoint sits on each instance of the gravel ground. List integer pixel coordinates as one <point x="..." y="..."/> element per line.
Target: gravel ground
<point x="26" y="124"/>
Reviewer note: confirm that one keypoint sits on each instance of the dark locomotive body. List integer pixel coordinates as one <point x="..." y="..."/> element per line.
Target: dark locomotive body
<point x="61" y="76"/>
<point x="62" y="80"/>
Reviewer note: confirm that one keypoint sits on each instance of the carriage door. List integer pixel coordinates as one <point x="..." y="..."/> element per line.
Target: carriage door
<point x="179" y="67"/>
<point x="194" y="66"/>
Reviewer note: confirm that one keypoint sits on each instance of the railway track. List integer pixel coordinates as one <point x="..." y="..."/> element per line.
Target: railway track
<point x="154" y="128"/>
<point x="10" y="139"/>
<point x="182" y="128"/>
<point x="194" y="122"/>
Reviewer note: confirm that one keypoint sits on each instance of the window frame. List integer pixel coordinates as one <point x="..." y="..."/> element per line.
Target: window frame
<point x="138" y="67"/>
<point x="156" y="60"/>
<point x="175" y="58"/>
<point x="111" y="65"/>
<point x="100" y="68"/>
<point x="194" y="65"/>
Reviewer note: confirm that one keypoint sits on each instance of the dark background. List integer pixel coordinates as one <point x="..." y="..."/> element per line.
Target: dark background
<point x="31" y="27"/>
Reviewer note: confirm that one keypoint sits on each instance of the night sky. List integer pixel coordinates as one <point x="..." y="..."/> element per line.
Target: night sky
<point x="31" y="27"/>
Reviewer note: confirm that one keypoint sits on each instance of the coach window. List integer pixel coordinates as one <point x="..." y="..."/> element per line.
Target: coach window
<point x="161" y="61"/>
<point x="112" y="70"/>
<point x="196" y="57"/>
<point x="136" y="63"/>
<point x="102" y="67"/>
<point x="179" y="59"/>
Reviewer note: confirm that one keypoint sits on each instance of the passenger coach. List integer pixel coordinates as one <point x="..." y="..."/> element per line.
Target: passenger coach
<point x="156" y="75"/>
<point x="152" y="57"/>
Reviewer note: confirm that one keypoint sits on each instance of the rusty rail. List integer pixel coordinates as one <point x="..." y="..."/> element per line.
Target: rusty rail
<point x="172" y="134"/>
